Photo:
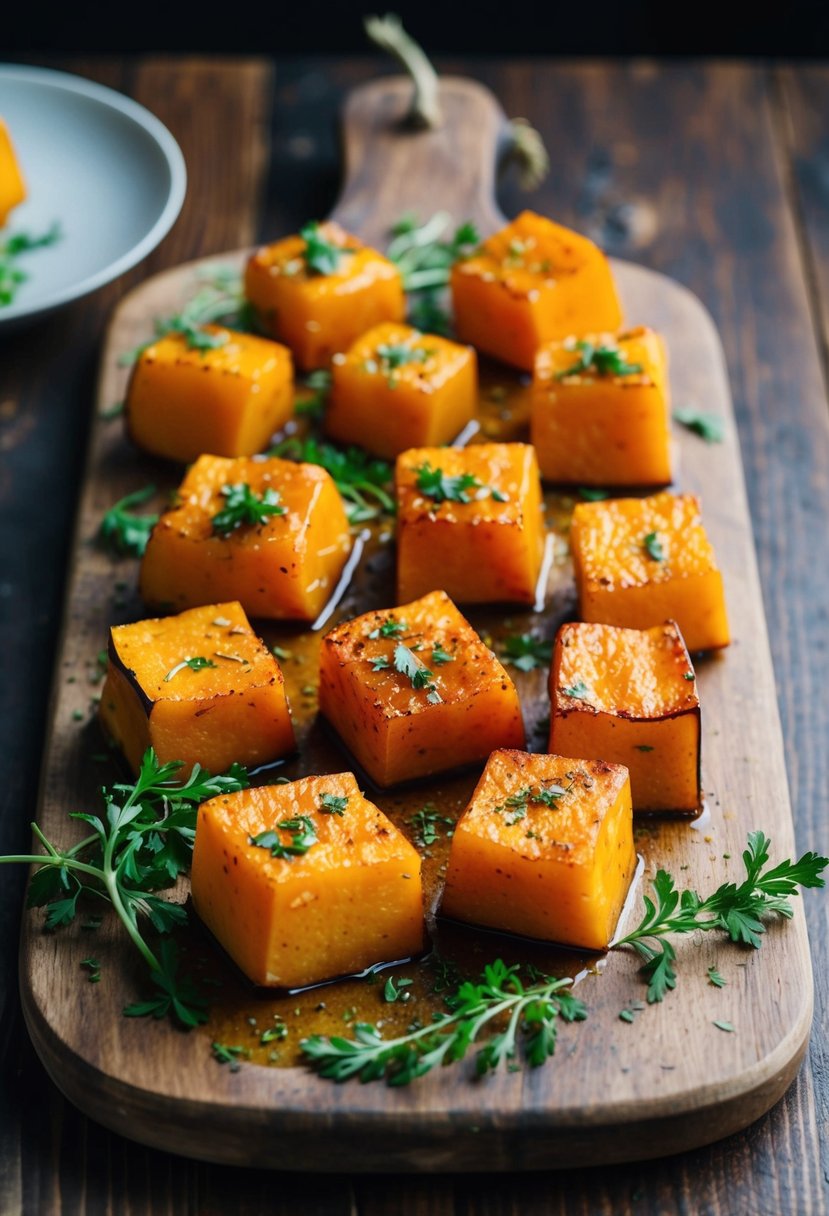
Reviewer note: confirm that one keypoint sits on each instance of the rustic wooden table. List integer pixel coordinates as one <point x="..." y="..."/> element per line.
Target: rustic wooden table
<point x="717" y="174"/>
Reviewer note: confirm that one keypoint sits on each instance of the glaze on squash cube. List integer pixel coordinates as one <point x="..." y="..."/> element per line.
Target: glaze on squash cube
<point x="227" y="399"/>
<point x="531" y="283"/>
<point x="351" y="900"/>
<point x="641" y="561"/>
<point x="200" y="687"/>
<point x="397" y="388"/>
<point x="544" y="849"/>
<point x="488" y="549"/>
<point x="284" y="567"/>
<point x="630" y="696"/>
<point x="317" y="315"/>
<point x="593" y="426"/>
<point x="12" y="184"/>
<point x="400" y="726"/>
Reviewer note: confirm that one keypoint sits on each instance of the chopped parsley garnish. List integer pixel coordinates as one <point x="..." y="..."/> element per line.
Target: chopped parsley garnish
<point x="321" y="255"/>
<point x="688" y="675"/>
<point x="590" y="494"/>
<point x="303" y="836"/>
<point x="396" y="990"/>
<point x="390" y="628"/>
<point x="654" y="547"/>
<point x="15" y="247"/>
<point x="407" y="664"/>
<point x="124" y="532"/>
<point x="425" y="824"/>
<point x="723" y="1025"/>
<point x="221" y="299"/>
<point x="441" y="656"/>
<point x="526" y="652"/>
<point x="544" y="795"/>
<point x="422" y="257"/>
<point x="231" y="1055"/>
<point x="195" y="664"/>
<point x="380" y="663"/>
<point x="715" y="978"/>
<point x="399" y="354"/>
<point x="579" y="691"/>
<point x="603" y="360"/>
<point x="710" y="427"/>
<point x="244" y="507"/>
<point x="362" y="480"/>
<point x="465" y="487"/>
<point x="333" y="804"/>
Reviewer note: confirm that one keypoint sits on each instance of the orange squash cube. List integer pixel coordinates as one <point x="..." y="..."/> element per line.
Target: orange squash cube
<point x="544" y="849"/>
<point x="200" y="687"/>
<point x="641" y="561"/>
<point x="319" y="305"/>
<point x="226" y="399"/>
<point x="414" y="691"/>
<point x="282" y="562"/>
<point x="469" y="521"/>
<point x="630" y="696"/>
<point x="601" y="410"/>
<point x="530" y="283"/>
<point x="306" y="882"/>
<point x="397" y="388"/>
<point x="12" y="185"/>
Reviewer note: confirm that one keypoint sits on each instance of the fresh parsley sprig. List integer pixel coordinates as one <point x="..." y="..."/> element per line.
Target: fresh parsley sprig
<point x="321" y="256"/>
<point x="363" y="481"/>
<point x="601" y="360"/>
<point x="11" y="250"/>
<point x="406" y="663"/>
<point x="422" y="253"/>
<point x="138" y="846"/>
<point x="737" y="910"/>
<point x="123" y="532"/>
<point x="220" y="299"/>
<point x="303" y="835"/>
<point x="709" y="427"/>
<point x="526" y="652"/>
<point x="531" y="1011"/>
<point x="244" y="507"/>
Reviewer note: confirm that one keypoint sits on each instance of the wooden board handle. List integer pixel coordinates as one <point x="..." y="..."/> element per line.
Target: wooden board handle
<point x="451" y="168"/>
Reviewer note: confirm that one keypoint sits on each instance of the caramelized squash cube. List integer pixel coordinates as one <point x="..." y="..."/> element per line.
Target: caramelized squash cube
<point x="641" y="561"/>
<point x="319" y="314"/>
<point x="469" y="521"/>
<point x="600" y="410"/>
<point x="630" y="696"/>
<point x="200" y="687"/>
<point x="285" y="566"/>
<point x="530" y="283"/>
<point x="348" y="895"/>
<point x="226" y="399"/>
<point x="544" y="849"/>
<point x="414" y="691"/>
<point x="12" y="184"/>
<point x="397" y="388"/>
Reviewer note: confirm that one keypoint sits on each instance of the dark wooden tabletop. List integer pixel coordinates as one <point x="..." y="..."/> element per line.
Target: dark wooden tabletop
<point x="716" y="174"/>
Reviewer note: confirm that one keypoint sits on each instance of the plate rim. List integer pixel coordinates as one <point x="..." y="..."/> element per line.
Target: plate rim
<point x="173" y="156"/>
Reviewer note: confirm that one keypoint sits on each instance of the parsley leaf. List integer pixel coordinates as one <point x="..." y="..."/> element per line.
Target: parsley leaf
<point x="407" y="664"/>
<point x="579" y="691"/>
<point x="15" y="247"/>
<point x="710" y="427"/>
<point x="220" y="299"/>
<point x="425" y="824"/>
<point x="321" y="255"/>
<point x="390" y="628"/>
<point x="654" y="547"/>
<point x="123" y="532"/>
<point x="362" y="480"/>
<point x="603" y="360"/>
<point x="196" y="664"/>
<point x="333" y="804"/>
<point x="423" y="256"/>
<point x="312" y="405"/>
<point x="244" y="507"/>
<point x="436" y="485"/>
<point x="526" y="652"/>
<point x="303" y="836"/>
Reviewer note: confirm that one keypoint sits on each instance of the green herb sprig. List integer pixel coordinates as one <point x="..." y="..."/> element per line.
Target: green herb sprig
<point x="601" y="360"/>
<point x="303" y="835"/>
<point x="244" y="507"/>
<point x="123" y="532"/>
<point x="465" y="487"/>
<point x="221" y="299"/>
<point x="363" y="481"/>
<point x="197" y="663"/>
<point x="14" y="248"/>
<point x="138" y="846"/>
<point x="406" y="663"/>
<point x="321" y="256"/>
<point x="426" y="824"/>
<point x="317" y="386"/>
<point x="526" y="652"/>
<point x="425" y="257"/>
<point x="738" y="911"/>
<point x="532" y="1012"/>
<point x="710" y="427"/>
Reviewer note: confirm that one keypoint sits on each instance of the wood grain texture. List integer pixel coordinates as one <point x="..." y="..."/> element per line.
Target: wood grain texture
<point x="609" y="1095"/>
<point x="681" y="166"/>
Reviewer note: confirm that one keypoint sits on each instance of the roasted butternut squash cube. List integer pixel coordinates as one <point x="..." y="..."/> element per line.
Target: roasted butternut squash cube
<point x="630" y="696"/>
<point x="397" y="388"/>
<point x="226" y="399"/>
<point x="200" y="687"/>
<point x="469" y="521"/>
<point x="305" y="882"/>
<point x="530" y="283"/>
<point x="318" y="291"/>
<point x="544" y="849"/>
<point x="414" y="691"/>
<point x="600" y="410"/>
<point x="12" y="185"/>
<point x="271" y="533"/>
<point x="641" y="561"/>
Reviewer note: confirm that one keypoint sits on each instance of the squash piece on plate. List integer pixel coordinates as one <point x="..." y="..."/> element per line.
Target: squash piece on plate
<point x="397" y="388"/>
<point x="271" y="533"/>
<point x="12" y="184"/>
<point x="544" y="849"/>
<point x="226" y="395"/>
<point x="305" y="882"/>
<point x="641" y="561"/>
<point x="200" y="687"/>
<point x="630" y="696"/>
<point x="530" y="283"/>
<point x="319" y="290"/>
<point x="469" y="521"/>
<point x="414" y="691"/>
<point x="601" y="412"/>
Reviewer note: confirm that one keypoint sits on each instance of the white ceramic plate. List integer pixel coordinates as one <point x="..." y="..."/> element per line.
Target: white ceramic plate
<point x="102" y="167"/>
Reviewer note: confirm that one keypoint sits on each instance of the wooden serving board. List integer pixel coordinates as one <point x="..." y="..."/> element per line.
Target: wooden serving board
<point x="669" y="1081"/>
